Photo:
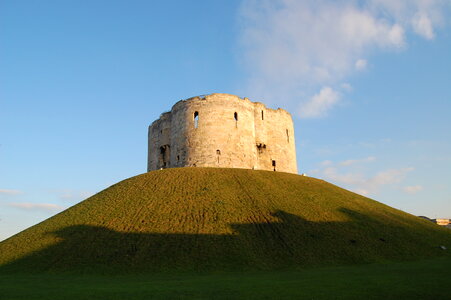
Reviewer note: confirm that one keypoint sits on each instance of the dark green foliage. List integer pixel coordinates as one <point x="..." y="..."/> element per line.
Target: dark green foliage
<point x="206" y="219"/>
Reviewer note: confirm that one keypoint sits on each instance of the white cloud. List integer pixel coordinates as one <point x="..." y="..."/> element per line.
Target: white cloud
<point x="326" y="163"/>
<point x="10" y="192"/>
<point x="37" y="206"/>
<point x="71" y="195"/>
<point x="371" y="185"/>
<point x="348" y="174"/>
<point x="362" y="192"/>
<point x="357" y="161"/>
<point x="389" y="176"/>
<point x="422" y="16"/>
<point x="360" y="64"/>
<point x="312" y="39"/>
<point x="319" y="104"/>
<point x="422" y="25"/>
<point x="413" y="189"/>
<point x="332" y="173"/>
<point x="346" y="86"/>
<point x="292" y="48"/>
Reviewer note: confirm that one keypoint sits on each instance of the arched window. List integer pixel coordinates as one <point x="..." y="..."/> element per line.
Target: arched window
<point x="196" y="119"/>
<point x="235" y="116"/>
<point x="288" y="136"/>
<point x="263" y="116"/>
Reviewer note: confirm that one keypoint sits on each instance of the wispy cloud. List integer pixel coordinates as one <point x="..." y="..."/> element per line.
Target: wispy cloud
<point x="357" y="161"/>
<point x="360" y="64"/>
<point x="10" y="192"/>
<point x="344" y="173"/>
<point x="346" y="87"/>
<point x="320" y="104"/>
<point x="413" y="189"/>
<point x="72" y="195"/>
<point x="37" y="206"/>
<point x="293" y="49"/>
<point x="423" y="26"/>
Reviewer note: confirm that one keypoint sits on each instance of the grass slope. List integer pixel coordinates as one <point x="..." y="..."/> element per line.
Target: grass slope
<point x="202" y="219"/>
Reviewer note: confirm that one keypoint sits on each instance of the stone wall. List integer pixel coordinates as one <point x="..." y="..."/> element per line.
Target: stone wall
<point x="222" y="130"/>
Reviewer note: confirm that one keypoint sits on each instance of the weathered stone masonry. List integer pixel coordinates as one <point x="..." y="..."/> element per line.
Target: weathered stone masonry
<point x="222" y="130"/>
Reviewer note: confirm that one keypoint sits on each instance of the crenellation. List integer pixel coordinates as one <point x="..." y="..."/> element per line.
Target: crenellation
<point x="222" y="130"/>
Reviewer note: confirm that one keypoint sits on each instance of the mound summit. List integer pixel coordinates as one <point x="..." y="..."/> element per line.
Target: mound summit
<point x="220" y="219"/>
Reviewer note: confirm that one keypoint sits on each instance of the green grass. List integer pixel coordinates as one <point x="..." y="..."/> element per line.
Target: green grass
<point x="206" y="219"/>
<point x="429" y="279"/>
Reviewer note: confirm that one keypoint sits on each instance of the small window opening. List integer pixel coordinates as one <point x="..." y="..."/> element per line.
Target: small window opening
<point x="178" y="158"/>
<point x="196" y="119"/>
<point x="288" y="137"/>
<point x="263" y="117"/>
<point x="235" y="116"/>
<point x="274" y="164"/>
<point x="164" y="158"/>
<point x="218" y="152"/>
<point x="261" y="148"/>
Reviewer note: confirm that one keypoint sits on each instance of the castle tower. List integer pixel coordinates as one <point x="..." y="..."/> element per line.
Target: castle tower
<point x="224" y="131"/>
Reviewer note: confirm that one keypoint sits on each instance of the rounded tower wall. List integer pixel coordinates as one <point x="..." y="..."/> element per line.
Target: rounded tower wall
<point x="222" y="130"/>
<point x="159" y="142"/>
<point x="217" y="131"/>
<point x="279" y="138"/>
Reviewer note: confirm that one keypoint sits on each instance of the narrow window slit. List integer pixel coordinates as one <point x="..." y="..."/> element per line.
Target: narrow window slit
<point x="196" y="119"/>
<point x="165" y="156"/>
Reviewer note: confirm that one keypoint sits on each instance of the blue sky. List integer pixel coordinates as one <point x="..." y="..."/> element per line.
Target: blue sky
<point x="368" y="84"/>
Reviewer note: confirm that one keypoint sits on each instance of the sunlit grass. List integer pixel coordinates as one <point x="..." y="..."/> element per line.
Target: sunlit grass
<point x="203" y="219"/>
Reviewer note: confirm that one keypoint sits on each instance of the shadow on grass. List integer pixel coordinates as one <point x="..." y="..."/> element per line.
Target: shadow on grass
<point x="289" y="243"/>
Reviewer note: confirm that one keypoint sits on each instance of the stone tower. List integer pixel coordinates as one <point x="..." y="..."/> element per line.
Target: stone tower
<point x="225" y="131"/>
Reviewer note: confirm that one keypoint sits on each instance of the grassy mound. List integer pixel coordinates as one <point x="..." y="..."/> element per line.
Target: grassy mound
<point x="221" y="219"/>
